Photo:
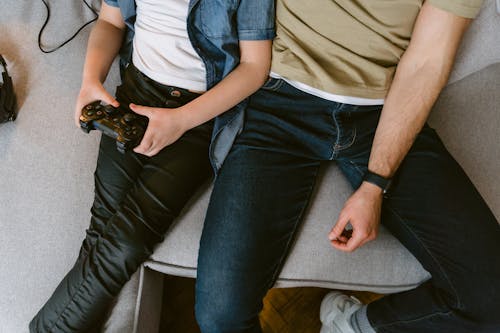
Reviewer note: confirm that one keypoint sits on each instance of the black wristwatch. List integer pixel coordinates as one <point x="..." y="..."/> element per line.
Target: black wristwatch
<point x="382" y="182"/>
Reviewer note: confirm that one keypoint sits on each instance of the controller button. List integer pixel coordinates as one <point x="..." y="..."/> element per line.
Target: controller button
<point x="128" y="117"/>
<point x="99" y="113"/>
<point x="175" y="93"/>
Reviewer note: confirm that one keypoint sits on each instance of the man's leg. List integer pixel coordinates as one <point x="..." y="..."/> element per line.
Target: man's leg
<point x="436" y="212"/>
<point x="256" y="206"/>
<point x="258" y="201"/>
<point x="165" y="184"/>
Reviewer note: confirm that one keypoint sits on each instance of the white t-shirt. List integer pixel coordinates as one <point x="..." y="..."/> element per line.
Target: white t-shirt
<point x="162" y="49"/>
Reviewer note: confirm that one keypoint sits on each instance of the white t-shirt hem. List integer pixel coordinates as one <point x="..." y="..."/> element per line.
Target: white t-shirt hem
<point x="328" y="96"/>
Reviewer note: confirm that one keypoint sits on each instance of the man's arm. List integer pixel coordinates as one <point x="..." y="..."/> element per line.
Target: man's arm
<point x="104" y="44"/>
<point x="421" y="75"/>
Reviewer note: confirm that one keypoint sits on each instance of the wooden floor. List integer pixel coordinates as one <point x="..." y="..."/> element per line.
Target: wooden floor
<point x="290" y="310"/>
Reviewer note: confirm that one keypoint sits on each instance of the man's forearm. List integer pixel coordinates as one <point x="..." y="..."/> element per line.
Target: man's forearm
<point x="405" y="112"/>
<point x="421" y="74"/>
<point x="420" y="77"/>
<point x="103" y="46"/>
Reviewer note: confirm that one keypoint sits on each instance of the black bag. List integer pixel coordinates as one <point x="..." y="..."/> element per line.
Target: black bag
<point x="8" y="103"/>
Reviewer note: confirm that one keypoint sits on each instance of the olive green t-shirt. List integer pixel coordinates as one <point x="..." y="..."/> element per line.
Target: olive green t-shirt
<point x="349" y="47"/>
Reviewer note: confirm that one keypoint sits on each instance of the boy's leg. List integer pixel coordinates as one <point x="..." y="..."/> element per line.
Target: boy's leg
<point x="115" y="172"/>
<point x="165" y="184"/>
<point x="114" y="176"/>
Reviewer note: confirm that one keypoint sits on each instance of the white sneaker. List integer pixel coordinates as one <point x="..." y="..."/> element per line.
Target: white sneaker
<point x="336" y="311"/>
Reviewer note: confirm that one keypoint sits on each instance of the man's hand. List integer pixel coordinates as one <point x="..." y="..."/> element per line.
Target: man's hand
<point x="91" y="92"/>
<point x="362" y="211"/>
<point x="164" y="128"/>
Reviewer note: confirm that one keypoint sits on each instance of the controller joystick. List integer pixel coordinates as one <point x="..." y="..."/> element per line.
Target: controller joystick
<point x="123" y="125"/>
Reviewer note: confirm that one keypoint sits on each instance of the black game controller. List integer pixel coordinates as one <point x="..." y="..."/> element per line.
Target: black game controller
<point x="121" y="124"/>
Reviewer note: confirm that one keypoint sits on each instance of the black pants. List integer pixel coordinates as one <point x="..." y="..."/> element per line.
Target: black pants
<point x="136" y="200"/>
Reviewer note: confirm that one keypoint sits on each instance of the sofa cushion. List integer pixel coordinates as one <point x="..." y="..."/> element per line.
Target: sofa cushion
<point x="481" y="43"/>
<point x="382" y="266"/>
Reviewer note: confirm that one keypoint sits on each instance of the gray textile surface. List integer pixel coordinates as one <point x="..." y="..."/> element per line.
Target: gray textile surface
<point x="46" y="167"/>
<point x="122" y="319"/>
<point x="481" y="43"/>
<point x="46" y="164"/>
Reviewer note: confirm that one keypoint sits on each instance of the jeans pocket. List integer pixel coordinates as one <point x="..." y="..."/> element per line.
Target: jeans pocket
<point x="272" y="84"/>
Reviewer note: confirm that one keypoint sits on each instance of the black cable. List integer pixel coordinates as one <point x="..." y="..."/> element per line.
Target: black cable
<point x="72" y="37"/>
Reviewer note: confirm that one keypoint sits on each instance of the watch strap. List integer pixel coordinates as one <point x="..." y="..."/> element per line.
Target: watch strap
<point x="376" y="179"/>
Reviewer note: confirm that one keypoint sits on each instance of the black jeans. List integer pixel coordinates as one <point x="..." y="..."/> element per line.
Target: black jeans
<point x="264" y="187"/>
<point x="136" y="200"/>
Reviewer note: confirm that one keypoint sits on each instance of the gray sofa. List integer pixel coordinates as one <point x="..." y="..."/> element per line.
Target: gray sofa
<point x="46" y="177"/>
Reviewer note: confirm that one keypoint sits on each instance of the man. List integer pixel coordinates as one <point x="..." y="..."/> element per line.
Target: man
<point x="352" y="81"/>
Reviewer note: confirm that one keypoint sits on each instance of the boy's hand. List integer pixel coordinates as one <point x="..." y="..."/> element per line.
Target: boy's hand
<point x="164" y="128"/>
<point x="91" y="92"/>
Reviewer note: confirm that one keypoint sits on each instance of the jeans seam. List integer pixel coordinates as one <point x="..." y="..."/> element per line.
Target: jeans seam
<point x="292" y="239"/>
<point x="456" y="295"/>
<point x="337" y="147"/>
<point x="277" y="85"/>
<point x="347" y="145"/>
<point x="335" y="144"/>
<point x="356" y="167"/>
<point x="376" y="327"/>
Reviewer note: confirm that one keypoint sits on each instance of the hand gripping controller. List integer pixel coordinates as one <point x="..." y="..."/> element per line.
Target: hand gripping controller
<point x="125" y="126"/>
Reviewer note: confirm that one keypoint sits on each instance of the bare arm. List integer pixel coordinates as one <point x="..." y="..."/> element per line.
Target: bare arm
<point x="103" y="46"/>
<point x="420" y="77"/>
<point x="167" y="125"/>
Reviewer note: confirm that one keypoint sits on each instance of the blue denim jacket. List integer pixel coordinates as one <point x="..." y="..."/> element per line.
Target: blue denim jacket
<point x="214" y="28"/>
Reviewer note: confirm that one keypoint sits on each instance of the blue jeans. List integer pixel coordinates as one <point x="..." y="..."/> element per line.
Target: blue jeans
<point x="265" y="185"/>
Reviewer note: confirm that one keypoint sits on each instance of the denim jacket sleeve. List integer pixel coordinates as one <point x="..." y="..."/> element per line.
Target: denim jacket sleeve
<point x="256" y="19"/>
<point x="113" y="3"/>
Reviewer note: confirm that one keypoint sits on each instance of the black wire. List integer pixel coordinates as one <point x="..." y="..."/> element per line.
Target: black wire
<point x="72" y="37"/>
